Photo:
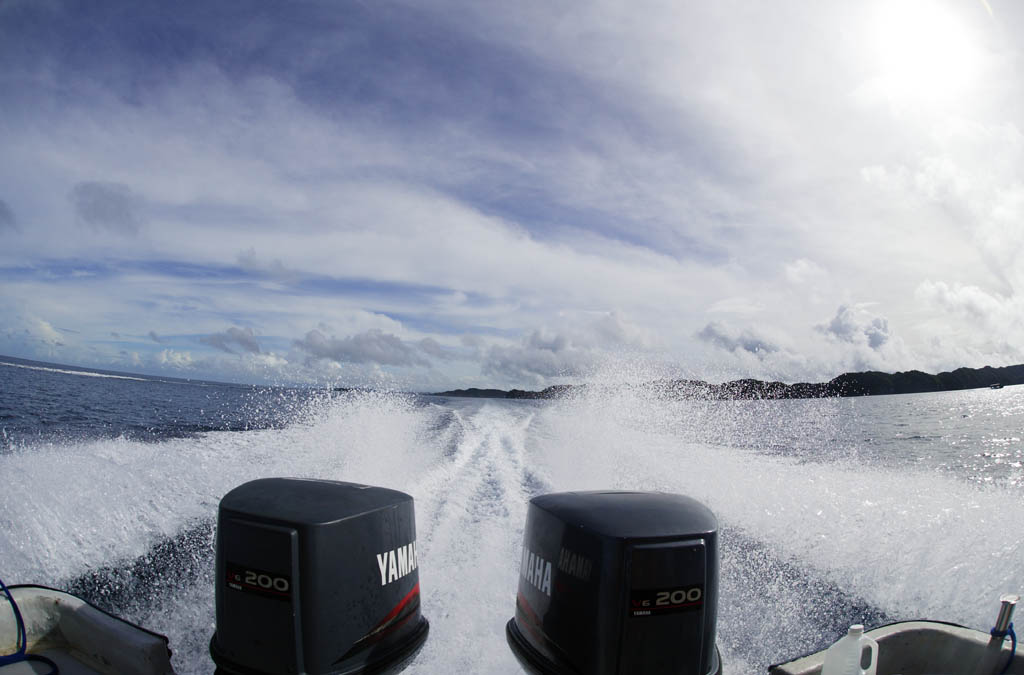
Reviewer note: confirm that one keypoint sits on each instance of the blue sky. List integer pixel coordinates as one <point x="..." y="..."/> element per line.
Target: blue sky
<point x="450" y="194"/>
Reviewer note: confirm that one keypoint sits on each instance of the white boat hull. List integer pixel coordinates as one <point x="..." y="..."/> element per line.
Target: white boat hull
<point x="925" y="648"/>
<point x="78" y="637"/>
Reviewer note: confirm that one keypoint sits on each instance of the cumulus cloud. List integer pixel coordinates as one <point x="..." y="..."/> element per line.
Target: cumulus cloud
<point x="577" y="348"/>
<point x="670" y="187"/>
<point x="967" y="300"/>
<point x="989" y="326"/>
<point x="537" y="361"/>
<point x="802" y="271"/>
<point x="243" y="338"/>
<point x="107" y="206"/>
<point x="7" y="219"/>
<point x="543" y="342"/>
<point x="472" y="341"/>
<point x="177" y="360"/>
<point x="747" y="340"/>
<point x="854" y="339"/>
<point x="432" y="347"/>
<point x="856" y="325"/>
<point x="539" y="356"/>
<point x="611" y="330"/>
<point x="41" y="331"/>
<point x="270" y="361"/>
<point x="474" y="345"/>
<point x="373" y="346"/>
<point x="31" y="333"/>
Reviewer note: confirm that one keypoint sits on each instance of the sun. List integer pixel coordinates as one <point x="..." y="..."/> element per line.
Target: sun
<point x="925" y="50"/>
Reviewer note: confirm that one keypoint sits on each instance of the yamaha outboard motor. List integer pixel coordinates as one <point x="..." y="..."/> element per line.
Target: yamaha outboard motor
<point x="617" y="583"/>
<point x="316" y="577"/>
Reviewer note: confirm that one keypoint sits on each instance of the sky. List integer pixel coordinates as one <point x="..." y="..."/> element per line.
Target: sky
<point x="454" y="193"/>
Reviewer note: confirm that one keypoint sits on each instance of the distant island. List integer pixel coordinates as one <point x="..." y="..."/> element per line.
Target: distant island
<point x="870" y="383"/>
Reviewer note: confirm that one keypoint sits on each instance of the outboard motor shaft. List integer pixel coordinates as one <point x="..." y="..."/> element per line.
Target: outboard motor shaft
<point x="316" y="577"/>
<point x="617" y="583"/>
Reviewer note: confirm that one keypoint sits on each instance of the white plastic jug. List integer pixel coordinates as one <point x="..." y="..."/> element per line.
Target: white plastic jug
<point x="843" y="658"/>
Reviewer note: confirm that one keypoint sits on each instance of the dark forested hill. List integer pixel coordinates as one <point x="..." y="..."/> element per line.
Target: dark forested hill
<point x="870" y="383"/>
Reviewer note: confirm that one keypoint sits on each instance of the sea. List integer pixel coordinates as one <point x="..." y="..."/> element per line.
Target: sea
<point x="831" y="511"/>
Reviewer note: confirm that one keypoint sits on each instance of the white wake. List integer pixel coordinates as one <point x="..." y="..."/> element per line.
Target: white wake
<point x="797" y="533"/>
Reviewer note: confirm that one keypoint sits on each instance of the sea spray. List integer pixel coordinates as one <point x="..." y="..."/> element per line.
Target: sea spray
<point x="832" y="511"/>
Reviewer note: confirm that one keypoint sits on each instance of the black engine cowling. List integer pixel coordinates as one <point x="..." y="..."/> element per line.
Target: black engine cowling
<point x="316" y="577"/>
<point x="617" y="583"/>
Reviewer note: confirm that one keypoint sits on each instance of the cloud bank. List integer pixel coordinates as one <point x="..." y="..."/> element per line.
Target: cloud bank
<point x="373" y="346"/>
<point x="452" y="195"/>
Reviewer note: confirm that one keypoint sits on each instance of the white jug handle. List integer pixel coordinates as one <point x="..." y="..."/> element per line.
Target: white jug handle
<point x="870" y="670"/>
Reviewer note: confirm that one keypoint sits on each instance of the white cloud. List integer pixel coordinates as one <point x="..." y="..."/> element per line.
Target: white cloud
<point x="432" y="347"/>
<point x="984" y="327"/>
<point x="538" y="359"/>
<point x="41" y="331"/>
<point x="860" y="339"/>
<point x="243" y="338"/>
<point x="371" y="347"/>
<point x="448" y="353"/>
<point x="691" y="177"/>
<point x="730" y="340"/>
<point x="611" y="330"/>
<point x="971" y="302"/>
<point x="174" y="359"/>
<point x="804" y="271"/>
<point x="856" y="325"/>
<point x="272" y="361"/>
<point x="577" y="349"/>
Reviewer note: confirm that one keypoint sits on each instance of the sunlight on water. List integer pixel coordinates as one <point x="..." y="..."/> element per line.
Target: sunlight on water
<point x="809" y="543"/>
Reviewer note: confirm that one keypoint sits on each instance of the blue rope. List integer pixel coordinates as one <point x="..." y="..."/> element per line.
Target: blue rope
<point x="1013" y="645"/>
<point x="21" y="643"/>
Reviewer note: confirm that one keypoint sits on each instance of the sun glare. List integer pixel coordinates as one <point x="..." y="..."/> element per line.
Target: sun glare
<point x="925" y="51"/>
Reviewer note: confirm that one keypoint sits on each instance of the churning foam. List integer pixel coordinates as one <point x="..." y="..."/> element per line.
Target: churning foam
<point x="907" y="542"/>
<point x="910" y="542"/>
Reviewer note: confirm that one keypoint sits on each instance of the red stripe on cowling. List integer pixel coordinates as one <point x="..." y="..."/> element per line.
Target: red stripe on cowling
<point x="409" y="597"/>
<point x="390" y="623"/>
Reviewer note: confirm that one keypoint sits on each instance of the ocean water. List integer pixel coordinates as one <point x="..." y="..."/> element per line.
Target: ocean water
<point x="832" y="511"/>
